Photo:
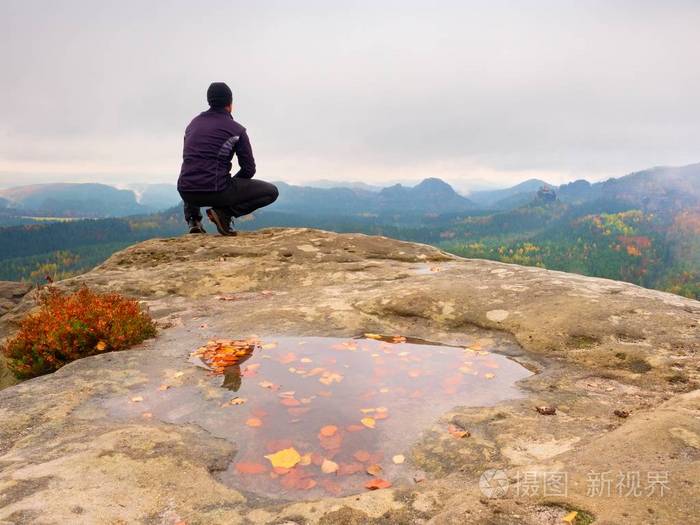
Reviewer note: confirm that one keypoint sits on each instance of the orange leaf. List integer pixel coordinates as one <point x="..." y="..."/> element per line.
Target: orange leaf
<point x="361" y="455"/>
<point x="331" y="487"/>
<point x="290" y="402"/>
<point x="348" y="469"/>
<point x="254" y="422"/>
<point x="329" y="430"/>
<point x="457" y="432"/>
<point x="377" y="483"/>
<point x="332" y="442"/>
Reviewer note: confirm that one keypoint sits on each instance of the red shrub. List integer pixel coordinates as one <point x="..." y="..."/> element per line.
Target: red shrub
<point x="70" y="326"/>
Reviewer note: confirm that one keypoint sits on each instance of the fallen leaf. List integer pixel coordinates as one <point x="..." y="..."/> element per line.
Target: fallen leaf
<point x="179" y="374"/>
<point x="377" y="483"/>
<point x="458" y="432"/>
<point x="373" y="336"/>
<point x="374" y="470"/>
<point x="621" y="413"/>
<point x="328" y="466"/>
<point x="234" y="402"/>
<point x="269" y="346"/>
<point x="254" y="422"/>
<point x="286" y="458"/>
<point x="329" y="430"/>
<point x="331" y="443"/>
<point x="101" y="346"/>
<point x="398" y="459"/>
<point x="546" y="410"/>
<point x="287" y="358"/>
<point x="305" y="459"/>
<point x="137" y="399"/>
<point x="163" y="387"/>
<point x="348" y="469"/>
<point x="290" y="402"/>
<point x="328" y="378"/>
<point x="306" y="484"/>
<point x="361" y="455"/>
<point x="331" y="487"/>
<point x="267" y="384"/>
<point x="305" y="360"/>
<point x="489" y="375"/>
<point x="277" y="444"/>
<point x="250" y="468"/>
<point x="147" y="415"/>
<point x="570" y="517"/>
<point x="369" y="422"/>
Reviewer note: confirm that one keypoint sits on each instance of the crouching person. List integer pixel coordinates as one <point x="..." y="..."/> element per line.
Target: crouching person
<point x="211" y="141"/>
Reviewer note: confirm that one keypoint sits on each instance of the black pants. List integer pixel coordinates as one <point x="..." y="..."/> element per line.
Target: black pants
<point x="243" y="196"/>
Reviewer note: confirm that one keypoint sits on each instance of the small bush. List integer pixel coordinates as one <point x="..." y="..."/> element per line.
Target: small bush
<point x="70" y="326"/>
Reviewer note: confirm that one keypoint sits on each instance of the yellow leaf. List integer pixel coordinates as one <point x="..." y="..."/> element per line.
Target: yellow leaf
<point x="398" y="459"/>
<point x="285" y="458"/>
<point x="570" y="517"/>
<point x="369" y="422"/>
<point x="101" y="346"/>
<point x="328" y="466"/>
<point x="489" y="375"/>
<point x="137" y="399"/>
<point x="305" y="459"/>
<point x="373" y="336"/>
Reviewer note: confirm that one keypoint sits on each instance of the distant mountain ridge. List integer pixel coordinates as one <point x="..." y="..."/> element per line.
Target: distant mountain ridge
<point x="430" y="196"/>
<point x="73" y="200"/>
<point x="653" y="189"/>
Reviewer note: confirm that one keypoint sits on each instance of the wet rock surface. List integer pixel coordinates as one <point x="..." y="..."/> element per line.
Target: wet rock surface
<point x="597" y="346"/>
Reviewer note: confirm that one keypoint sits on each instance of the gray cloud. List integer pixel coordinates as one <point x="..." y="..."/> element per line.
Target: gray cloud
<point x="370" y="90"/>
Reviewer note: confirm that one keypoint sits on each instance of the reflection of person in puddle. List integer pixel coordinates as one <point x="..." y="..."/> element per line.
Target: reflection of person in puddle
<point x="233" y="376"/>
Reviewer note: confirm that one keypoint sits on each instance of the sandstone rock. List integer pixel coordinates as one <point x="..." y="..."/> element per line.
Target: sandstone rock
<point x="10" y="294"/>
<point x="64" y="459"/>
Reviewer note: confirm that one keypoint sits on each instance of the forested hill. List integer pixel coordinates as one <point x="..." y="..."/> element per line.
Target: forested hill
<point x="643" y="228"/>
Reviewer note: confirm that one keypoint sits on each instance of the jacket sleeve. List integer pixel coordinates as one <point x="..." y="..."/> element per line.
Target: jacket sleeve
<point x="244" y="152"/>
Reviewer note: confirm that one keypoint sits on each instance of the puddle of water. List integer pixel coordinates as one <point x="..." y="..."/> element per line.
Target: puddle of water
<point x="342" y="404"/>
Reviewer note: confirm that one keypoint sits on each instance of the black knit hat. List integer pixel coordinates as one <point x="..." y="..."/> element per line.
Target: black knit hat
<point x="219" y="95"/>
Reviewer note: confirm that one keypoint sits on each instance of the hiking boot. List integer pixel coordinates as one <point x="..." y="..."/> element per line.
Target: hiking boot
<point x="195" y="226"/>
<point x="222" y="220"/>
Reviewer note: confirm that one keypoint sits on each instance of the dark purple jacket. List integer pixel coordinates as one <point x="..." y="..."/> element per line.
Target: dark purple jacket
<point x="211" y="140"/>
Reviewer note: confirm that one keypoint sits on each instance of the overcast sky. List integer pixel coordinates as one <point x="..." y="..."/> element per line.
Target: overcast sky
<point x="471" y="91"/>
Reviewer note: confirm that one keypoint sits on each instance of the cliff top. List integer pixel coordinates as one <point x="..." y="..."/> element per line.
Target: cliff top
<point x="596" y="346"/>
